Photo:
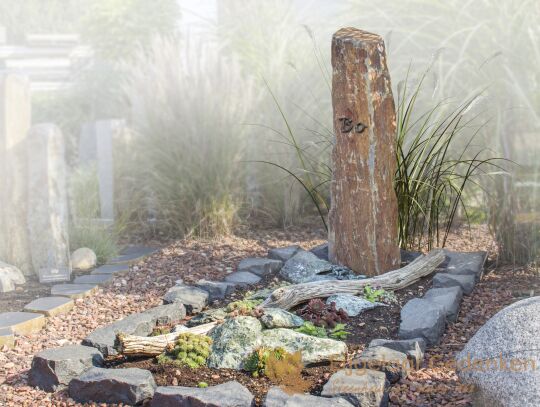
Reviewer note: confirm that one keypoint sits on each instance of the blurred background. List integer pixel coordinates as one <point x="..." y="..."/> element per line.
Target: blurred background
<point x="219" y="112"/>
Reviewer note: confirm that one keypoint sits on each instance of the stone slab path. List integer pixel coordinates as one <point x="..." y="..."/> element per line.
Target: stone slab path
<point x="50" y="306"/>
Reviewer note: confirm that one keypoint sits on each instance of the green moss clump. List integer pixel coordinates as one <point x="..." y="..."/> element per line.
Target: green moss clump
<point x="189" y="350"/>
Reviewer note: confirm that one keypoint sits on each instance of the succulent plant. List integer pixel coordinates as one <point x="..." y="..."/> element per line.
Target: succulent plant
<point x="256" y="362"/>
<point x="321" y="314"/>
<point x="188" y="350"/>
<point x="243" y="307"/>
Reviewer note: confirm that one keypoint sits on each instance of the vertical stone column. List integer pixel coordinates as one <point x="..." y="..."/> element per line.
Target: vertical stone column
<point x="363" y="217"/>
<point x="14" y="125"/>
<point x="47" y="198"/>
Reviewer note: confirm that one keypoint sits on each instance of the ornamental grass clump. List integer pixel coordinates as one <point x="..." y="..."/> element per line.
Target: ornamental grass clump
<point x="188" y="350"/>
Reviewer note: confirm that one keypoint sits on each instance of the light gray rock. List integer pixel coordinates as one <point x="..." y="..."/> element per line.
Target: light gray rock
<point x="321" y="251"/>
<point x="503" y="357"/>
<point x="53" y="369"/>
<point x="365" y="388"/>
<point x="352" y="304"/>
<point x="83" y="259"/>
<point x="413" y="348"/>
<point x="133" y="254"/>
<point x="230" y="394"/>
<point x="444" y="280"/>
<point x="130" y="386"/>
<point x="93" y="279"/>
<point x="393" y="363"/>
<point x="111" y="269"/>
<point x="233" y="342"/>
<point x="6" y="284"/>
<point x="193" y="298"/>
<point x="260" y="266"/>
<point x="447" y="298"/>
<point x="314" y="350"/>
<point x="283" y="253"/>
<point x="421" y="318"/>
<point x="208" y="316"/>
<point x="142" y="324"/>
<point x="12" y="272"/>
<point x="216" y="290"/>
<point x="278" y="318"/>
<point x="242" y="278"/>
<point x="303" y="266"/>
<point x="276" y="397"/>
<point x="459" y="263"/>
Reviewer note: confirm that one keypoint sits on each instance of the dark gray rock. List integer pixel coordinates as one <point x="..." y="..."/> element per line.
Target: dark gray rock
<point x="230" y="394"/>
<point x="321" y="251"/>
<point x="408" y="256"/>
<point x="260" y="266"/>
<point x="444" y="280"/>
<point x="130" y="386"/>
<point x="276" y="397"/>
<point x="133" y="255"/>
<point x="393" y="363"/>
<point x="283" y="253"/>
<point x="93" y="279"/>
<point x="206" y="317"/>
<point x="413" y="348"/>
<point x="53" y="369"/>
<point x="368" y="389"/>
<point x="352" y="304"/>
<point x="193" y="298"/>
<point x="111" y="269"/>
<point x="216" y="290"/>
<point x="446" y="298"/>
<point x="242" y="278"/>
<point x="421" y="318"/>
<point x="464" y="263"/>
<point x="303" y="266"/>
<point x="501" y="360"/>
<point x="278" y="318"/>
<point x="104" y="339"/>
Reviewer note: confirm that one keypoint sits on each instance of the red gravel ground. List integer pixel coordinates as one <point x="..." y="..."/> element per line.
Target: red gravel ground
<point x="190" y="260"/>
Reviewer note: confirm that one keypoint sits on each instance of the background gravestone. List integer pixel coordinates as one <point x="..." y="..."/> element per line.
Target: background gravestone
<point x="363" y="216"/>
<point x="14" y="125"/>
<point x="47" y="196"/>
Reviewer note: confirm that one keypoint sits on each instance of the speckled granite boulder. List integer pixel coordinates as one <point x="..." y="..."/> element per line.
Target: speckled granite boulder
<point x="352" y="304"/>
<point x="278" y="318"/>
<point x="193" y="298"/>
<point x="303" y="266"/>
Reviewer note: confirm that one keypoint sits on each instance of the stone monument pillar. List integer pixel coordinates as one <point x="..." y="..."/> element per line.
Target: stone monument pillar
<point x="363" y="226"/>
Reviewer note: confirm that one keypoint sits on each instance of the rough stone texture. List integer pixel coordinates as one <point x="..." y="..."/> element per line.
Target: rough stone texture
<point x="351" y="304"/>
<point x="502" y="359"/>
<point x="12" y="272"/>
<point x="283" y="253"/>
<point x="321" y="251"/>
<point x="50" y="306"/>
<point x="133" y="254"/>
<point x="111" y="269"/>
<point x="93" y="279"/>
<point x="15" y="119"/>
<point x="208" y="316"/>
<point x="365" y="388"/>
<point x="242" y="278"/>
<point x="421" y="318"/>
<point x="260" y="266"/>
<point x="303" y="266"/>
<point x="362" y="236"/>
<point x="314" y="350"/>
<point x="83" y="259"/>
<point x="47" y="198"/>
<point x="53" y="369"/>
<point x="130" y="386"/>
<point x="393" y="363"/>
<point x="446" y="298"/>
<point x="74" y="290"/>
<point x="413" y="348"/>
<point x="22" y="323"/>
<point x="444" y="280"/>
<point x="278" y="318"/>
<point x="141" y="324"/>
<point x="233" y="341"/>
<point x="6" y="284"/>
<point x="7" y="338"/>
<point x="193" y="298"/>
<point x="278" y="398"/>
<point x="230" y="394"/>
<point x="216" y="290"/>
<point x="464" y="263"/>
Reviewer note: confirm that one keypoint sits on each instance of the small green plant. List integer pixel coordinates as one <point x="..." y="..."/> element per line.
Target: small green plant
<point x="308" y="328"/>
<point x="188" y="350"/>
<point x="339" y="332"/>
<point x="202" y="385"/>
<point x="372" y="294"/>
<point x="243" y="307"/>
<point x="256" y="362"/>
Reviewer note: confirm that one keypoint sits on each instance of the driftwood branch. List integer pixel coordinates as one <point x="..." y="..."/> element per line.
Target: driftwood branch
<point x="288" y="297"/>
<point x="154" y="345"/>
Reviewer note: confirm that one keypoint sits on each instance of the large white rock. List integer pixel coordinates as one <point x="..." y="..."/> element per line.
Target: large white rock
<point x="503" y="358"/>
<point x="83" y="259"/>
<point x="9" y="276"/>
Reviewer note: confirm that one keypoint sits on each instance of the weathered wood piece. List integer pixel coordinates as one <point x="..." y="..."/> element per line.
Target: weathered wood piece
<point x="288" y="297"/>
<point x="363" y="215"/>
<point x="155" y="345"/>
